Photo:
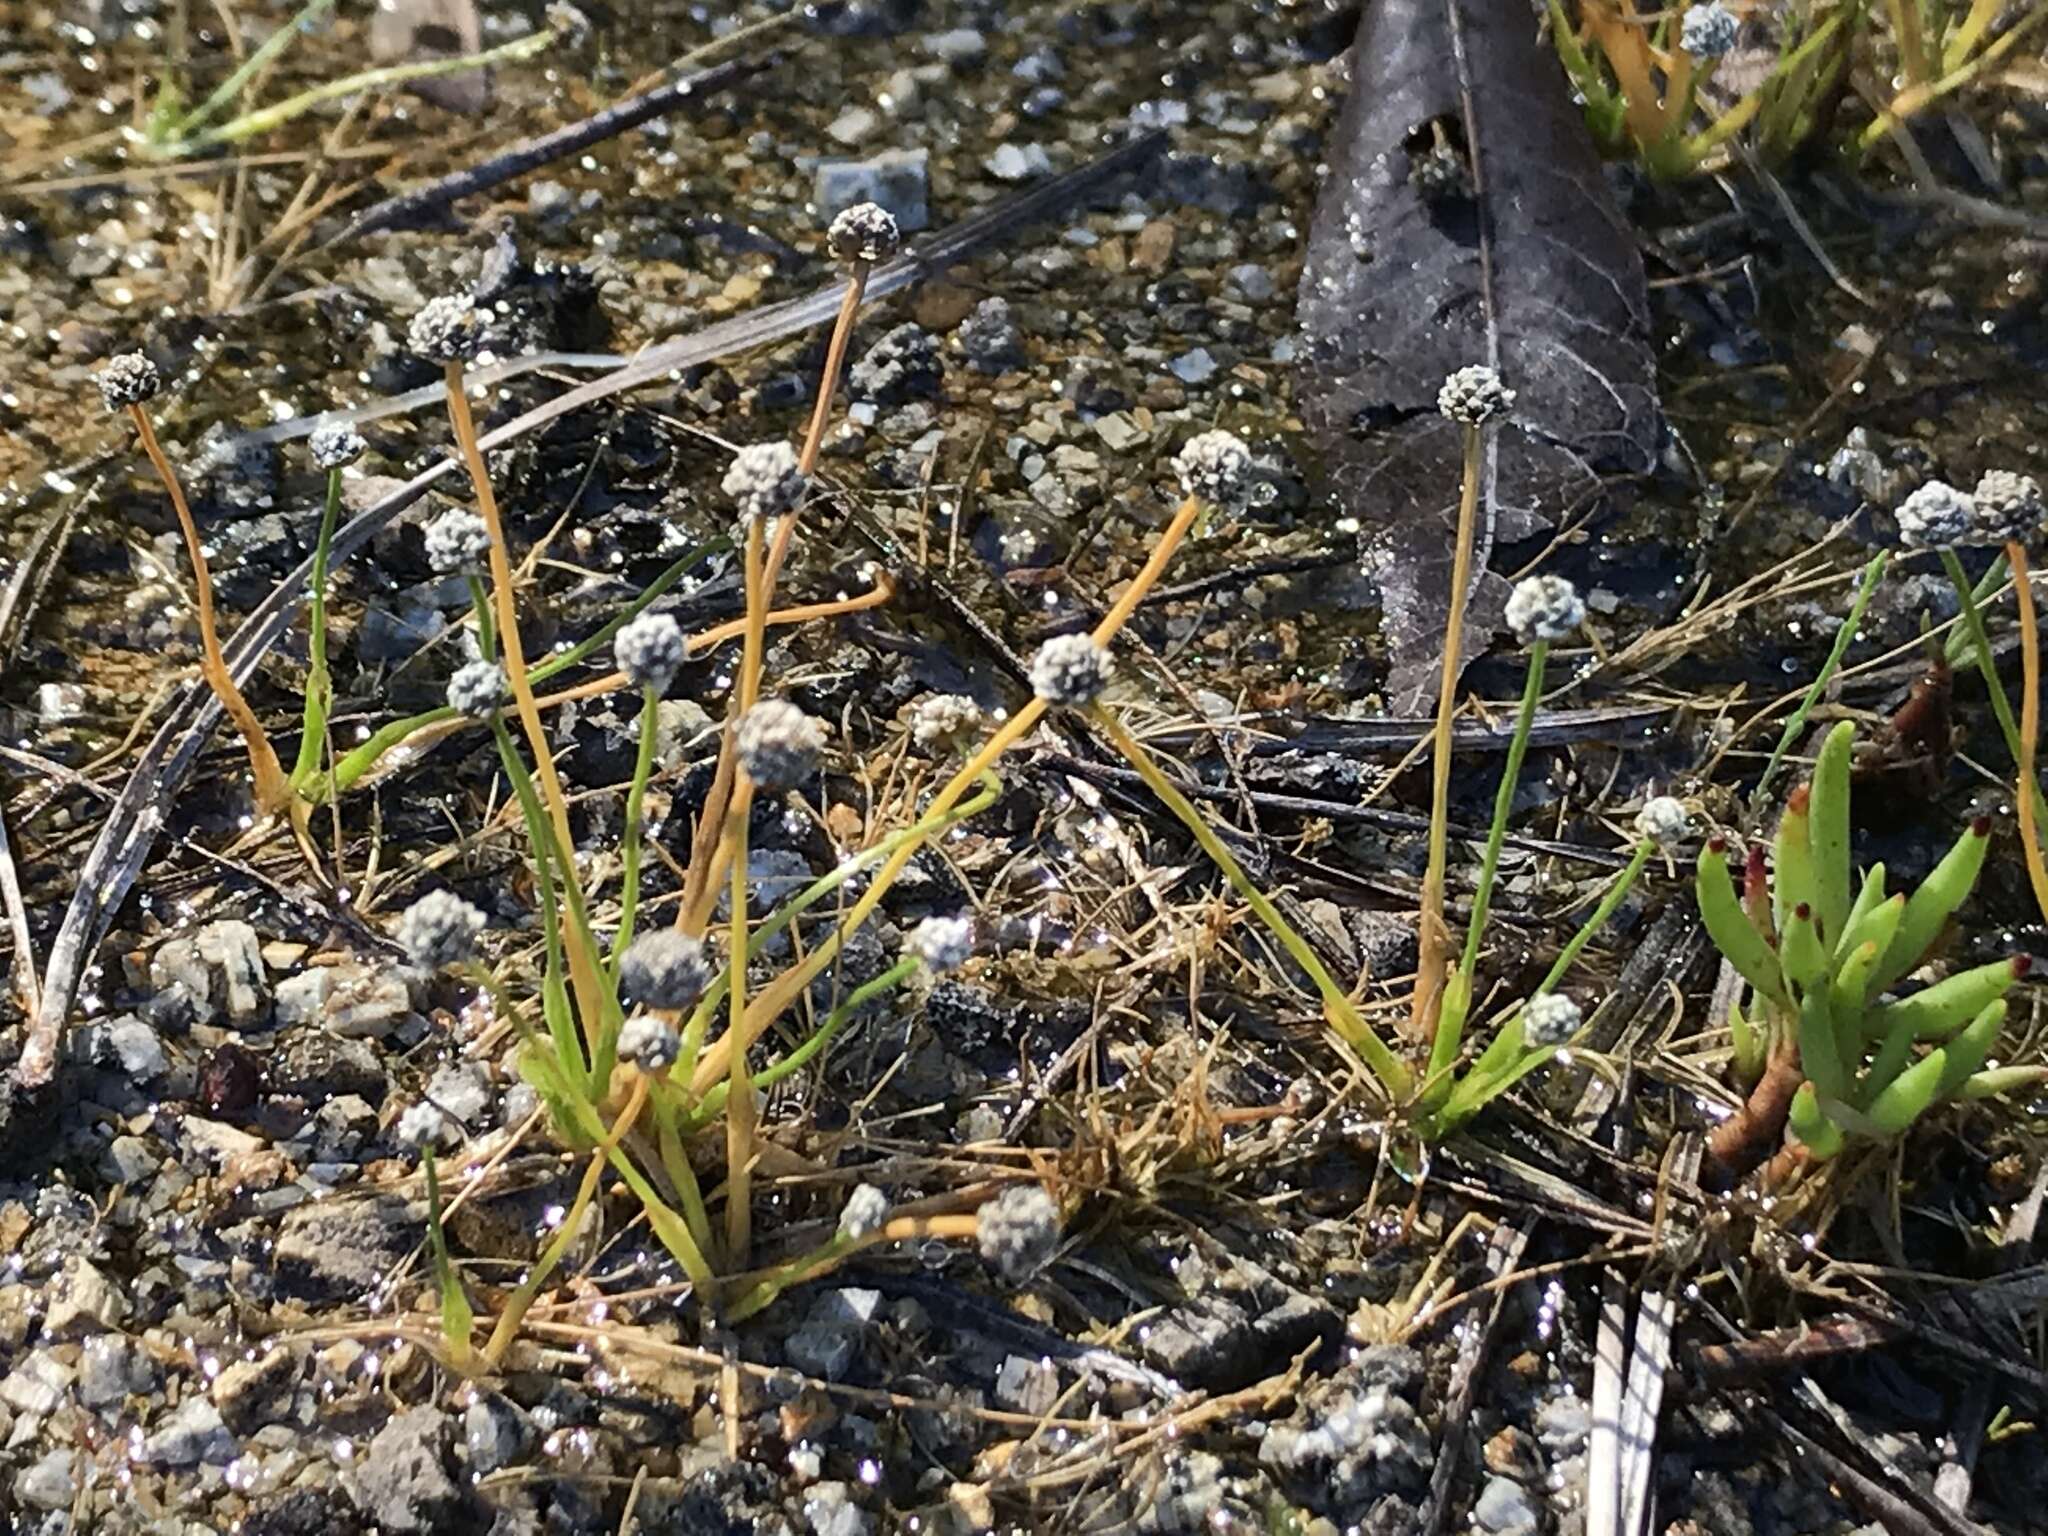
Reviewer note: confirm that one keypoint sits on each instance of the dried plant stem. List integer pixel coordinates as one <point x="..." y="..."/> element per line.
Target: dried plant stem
<point x="706" y="852"/>
<point x="739" y="1103"/>
<point x="1343" y="1016"/>
<point x="583" y="965"/>
<point x="766" y="1008"/>
<point x="883" y="590"/>
<point x="273" y="790"/>
<point x="1433" y="938"/>
<point x="2028" y="792"/>
<point x="763" y="1286"/>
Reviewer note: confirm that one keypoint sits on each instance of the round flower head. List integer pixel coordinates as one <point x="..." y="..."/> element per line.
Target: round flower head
<point x="1663" y="821"/>
<point x="1474" y="394"/>
<point x="664" y="969"/>
<point x="439" y="929"/>
<point x="866" y="1209"/>
<point x="1544" y="608"/>
<point x="477" y="689"/>
<point x="942" y="943"/>
<point x="1937" y="516"/>
<point x="1708" y="31"/>
<point x="458" y="542"/>
<point x="129" y="379"/>
<point x="866" y="232"/>
<point x="1071" y="670"/>
<point x="425" y="1125"/>
<point x="1017" y="1231"/>
<point x="2009" y="505"/>
<point x="1216" y="467"/>
<point x="334" y="444"/>
<point x="649" y="650"/>
<point x="570" y="22"/>
<point x="764" y="480"/>
<point x="1549" y="1018"/>
<point x="777" y="744"/>
<point x="447" y="329"/>
<point x="649" y="1043"/>
<point x="942" y="719"/>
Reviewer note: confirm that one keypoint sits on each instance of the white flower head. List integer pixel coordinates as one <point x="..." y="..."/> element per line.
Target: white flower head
<point x="447" y="329"/>
<point x="940" y="721"/>
<point x="478" y="688"/>
<point x="649" y="651"/>
<point x="128" y="379"/>
<point x="2009" y="505"/>
<point x="664" y="968"/>
<point x="1664" y="821"/>
<point x="1708" y="31"/>
<point x="426" y="1125"/>
<point x="1546" y="608"/>
<point x="458" y="542"/>
<point x="777" y="744"/>
<point x="1474" y="395"/>
<point x="439" y="929"/>
<point x="1216" y="467"/>
<point x="942" y="943"/>
<point x="764" y="480"/>
<point x="1071" y="670"/>
<point x="1017" y="1231"/>
<point x="867" y="1208"/>
<point x="1549" y="1018"/>
<point x="1937" y="516"/>
<point x="649" y="1042"/>
<point x="334" y="444"/>
<point x="866" y="232"/>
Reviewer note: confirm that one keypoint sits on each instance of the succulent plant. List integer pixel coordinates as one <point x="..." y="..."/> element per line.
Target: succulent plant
<point x="1823" y="951"/>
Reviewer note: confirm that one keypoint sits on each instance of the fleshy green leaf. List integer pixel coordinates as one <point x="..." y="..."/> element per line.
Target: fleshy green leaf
<point x="1730" y="928"/>
<point x="1930" y="907"/>
<point x="1828" y="831"/>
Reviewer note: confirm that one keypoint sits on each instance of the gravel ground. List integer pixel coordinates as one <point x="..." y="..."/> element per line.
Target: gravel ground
<point x="217" y="1313"/>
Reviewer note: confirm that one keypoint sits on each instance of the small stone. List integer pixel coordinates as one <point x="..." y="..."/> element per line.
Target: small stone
<point x="317" y="1065"/>
<point x="462" y="1089"/>
<point x="86" y="1301"/>
<point x="137" y="1049"/>
<point x="1027" y="1386"/>
<point x="903" y="364"/>
<point x="37" y="1385"/>
<point x="402" y="1482"/>
<point x="830" y="1509"/>
<point x="193" y="1433"/>
<point x="495" y="1433"/>
<point x="346" y="1247"/>
<point x="248" y="1391"/>
<point x="821" y="1351"/>
<point x="854" y="127"/>
<point x="1018" y="162"/>
<point x="1505" y="1508"/>
<point x="1253" y="281"/>
<point x="961" y="45"/>
<point x="49" y="1482"/>
<point x="111" y="1369"/>
<point x="991" y="340"/>
<point x="898" y="179"/>
<point x="1194" y="367"/>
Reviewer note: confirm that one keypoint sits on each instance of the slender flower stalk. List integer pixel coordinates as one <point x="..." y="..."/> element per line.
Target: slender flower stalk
<point x="127" y="383"/>
<point x="2030" y="724"/>
<point x="1457" y="999"/>
<point x="449" y="331"/>
<point x="1471" y="398"/>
